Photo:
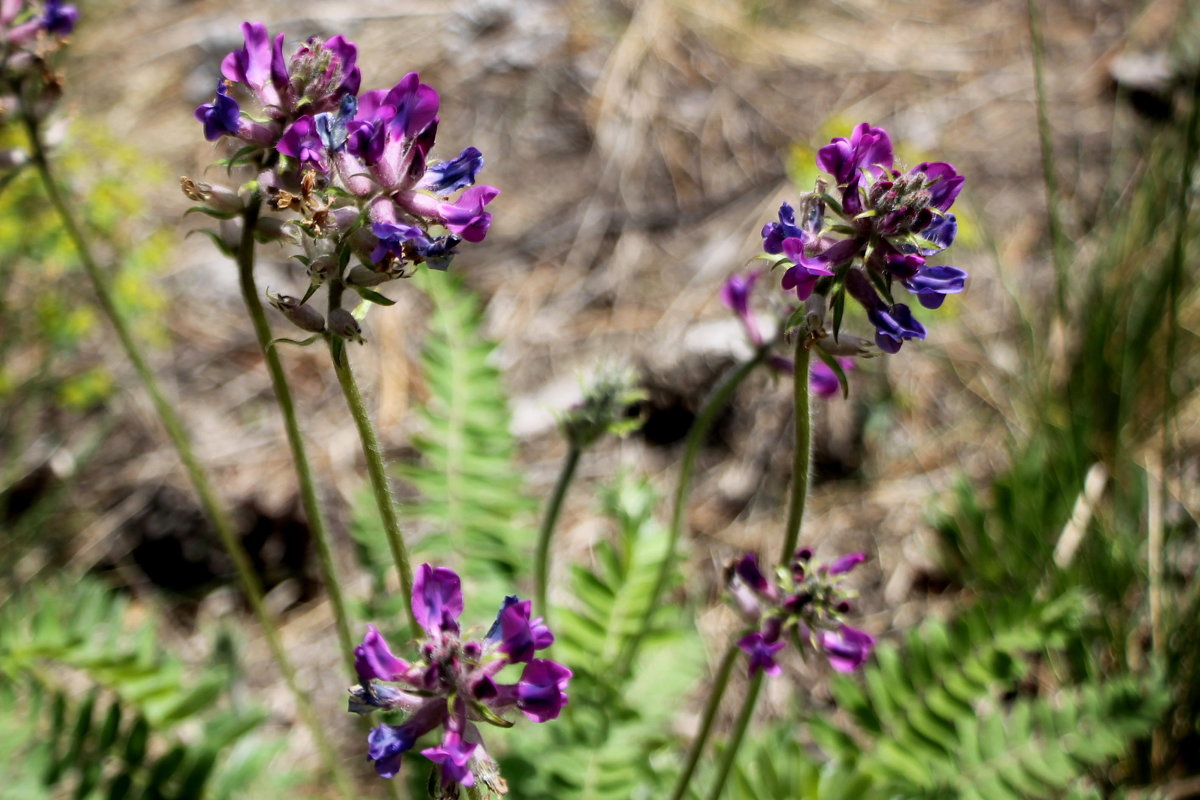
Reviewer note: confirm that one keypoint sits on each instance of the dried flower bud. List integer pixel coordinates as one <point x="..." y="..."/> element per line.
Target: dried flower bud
<point x="304" y="317"/>
<point x="343" y="324"/>
<point x="220" y="199"/>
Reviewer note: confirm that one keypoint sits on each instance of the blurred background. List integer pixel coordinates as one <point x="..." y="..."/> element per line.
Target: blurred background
<point x="1033" y="444"/>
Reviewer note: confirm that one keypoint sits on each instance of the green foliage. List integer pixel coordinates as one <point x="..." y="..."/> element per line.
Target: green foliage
<point x="776" y="766"/>
<point x="470" y="510"/>
<point x="122" y="735"/>
<point x="620" y="705"/>
<point x="930" y="719"/>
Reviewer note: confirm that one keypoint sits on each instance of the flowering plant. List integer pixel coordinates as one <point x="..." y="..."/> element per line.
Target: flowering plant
<point x="370" y="204"/>
<point x="888" y="223"/>
<point x="803" y="603"/>
<point x="454" y="683"/>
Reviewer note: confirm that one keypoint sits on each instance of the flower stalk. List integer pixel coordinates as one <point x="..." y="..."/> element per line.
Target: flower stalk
<point x="372" y="452"/>
<point x="715" y="695"/>
<point x="549" y="523"/>
<point x="802" y="452"/>
<point x="283" y="397"/>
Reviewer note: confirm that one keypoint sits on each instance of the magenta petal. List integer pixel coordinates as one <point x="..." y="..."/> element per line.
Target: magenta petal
<point x="847" y="648"/>
<point x="846" y="563"/>
<point x="373" y="659"/>
<point x="437" y="600"/>
<point x="542" y="690"/>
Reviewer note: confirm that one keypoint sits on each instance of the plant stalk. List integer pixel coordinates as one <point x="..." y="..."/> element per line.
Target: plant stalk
<point x="802" y="454"/>
<point x="735" y="740"/>
<point x="283" y="397"/>
<point x="720" y="683"/>
<point x="373" y="453"/>
<point x="549" y="522"/>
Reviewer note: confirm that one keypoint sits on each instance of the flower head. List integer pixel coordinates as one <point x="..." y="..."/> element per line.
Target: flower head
<point x="803" y="604"/>
<point x="891" y="220"/>
<point x="455" y="684"/>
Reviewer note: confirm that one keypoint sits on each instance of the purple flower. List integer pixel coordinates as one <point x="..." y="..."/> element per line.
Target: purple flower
<point x="893" y="326"/>
<point x="453" y="755"/>
<point x="521" y="636"/>
<point x="932" y="284"/>
<point x="847" y="648"/>
<point x="806" y="270"/>
<point x="542" y="689"/>
<point x="413" y="105"/>
<point x="773" y="233"/>
<point x="458" y="173"/>
<point x="846" y="563"/>
<point x="220" y="117"/>
<point x="437" y="600"/>
<point x="824" y="381"/>
<point x="867" y="148"/>
<point x="259" y="65"/>
<point x="735" y="295"/>
<point x="762" y="653"/>
<point x="385" y="746"/>
<point x="302" y="142"/>
<point x="942" y="182"/>
<point x="941" y="233"/>
<point x="374" y="660"/>
<point x="466" y="217"/>
<point x="59" y="18"/>
<point x="454" y="684"/>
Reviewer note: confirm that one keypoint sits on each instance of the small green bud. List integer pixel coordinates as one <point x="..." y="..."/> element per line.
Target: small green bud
<point x="365" y="276"/>
<point x="607" y="407"/>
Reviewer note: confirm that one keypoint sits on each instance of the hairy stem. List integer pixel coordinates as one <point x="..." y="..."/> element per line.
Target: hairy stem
<point x="549" y="522"/>
<point x="373" y="453"/>
<point x="283" y="396"/>
<point x="251" y="586"/>
<point x="802" y="453"/>
<point x="735" y="740"/>
<point x="720" y="683"/>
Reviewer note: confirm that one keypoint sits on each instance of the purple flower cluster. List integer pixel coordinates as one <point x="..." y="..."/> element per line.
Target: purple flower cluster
<point x="736" y="295"/>
<point x="803" y="603"/>
<point x="21" y="21"/>
<point x="356" y="166"/>
<point x="891" y="222"/>
<point x="30" y="32"/>
<point x="454" y="683"/>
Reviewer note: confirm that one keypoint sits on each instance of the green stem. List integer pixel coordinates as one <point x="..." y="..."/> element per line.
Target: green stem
<point x="707" y="415"/>
<point x="208" y="499"/>
<point x="373" y="453"/>
<point x="549" y="522"/>
<point x="802" y="453"/>
<point x="720" y="683"/>
<point x="735" y="741"/>
<point x="283" y="396"/>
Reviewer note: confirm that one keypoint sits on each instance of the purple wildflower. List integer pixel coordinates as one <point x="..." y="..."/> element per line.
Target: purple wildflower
<point x="847" y="648"/>
<point x="453" y="755"/>
<point x="891" y="220"/>
<point x="824" y="380"/>
<point x="455" y="684"/>
<point x="458" y="173"/>
<point x="804" y="604"/>
<point x="259" y="65"/>
<point x="466" y="217"/>
<point x="761" y="652"/>
<point x="59" y="18"/>
<point x="221" y="116"/>
<point x="735" y="295"/>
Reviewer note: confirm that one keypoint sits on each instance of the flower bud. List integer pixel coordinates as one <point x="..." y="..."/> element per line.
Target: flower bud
<point x="274" y="229"/>
<point x="365" y="276"/>
<point x="343" y="324"/>
<point x="604" y="409"/>
<point x="304" y="317"/>
<point x="322" y="268"/>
